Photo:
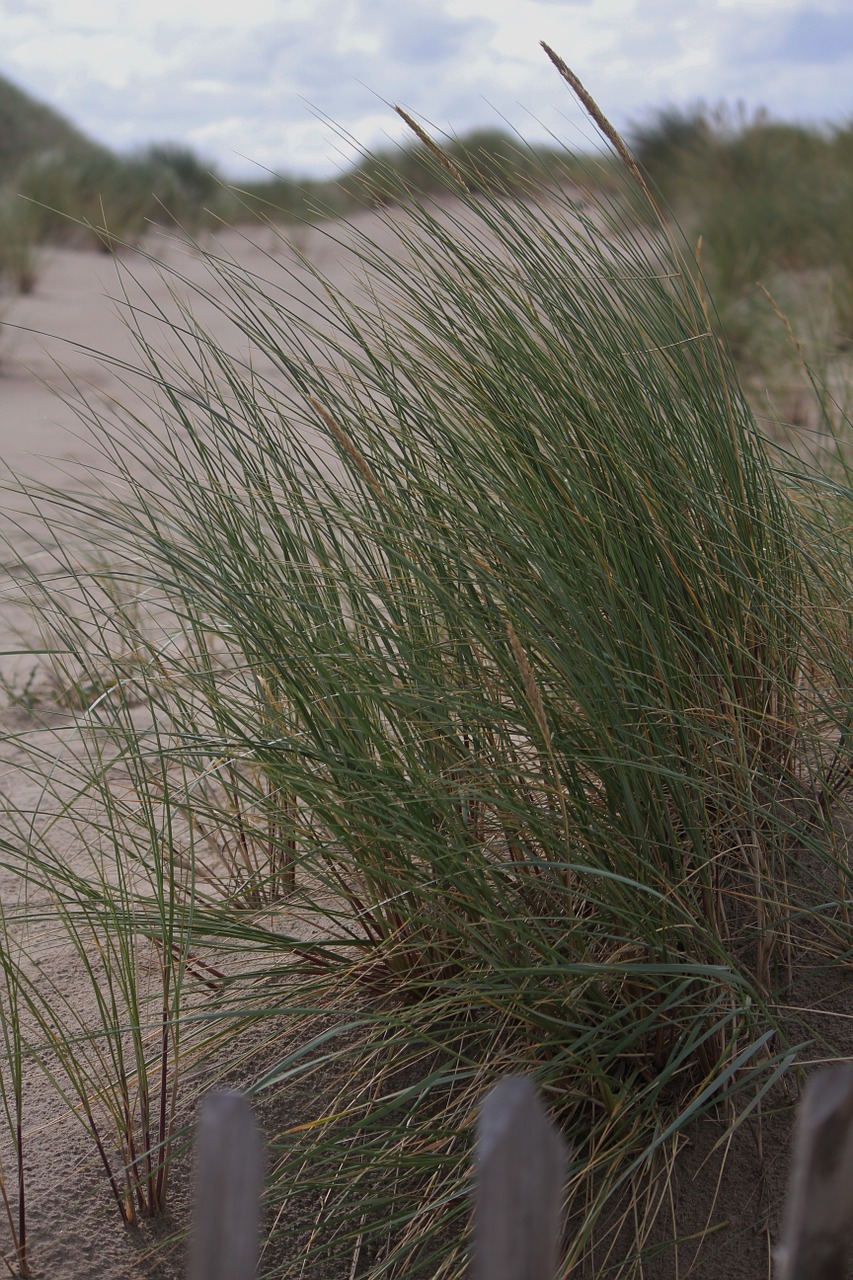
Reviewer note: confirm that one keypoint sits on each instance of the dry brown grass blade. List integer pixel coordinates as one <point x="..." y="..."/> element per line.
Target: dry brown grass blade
<point x="531" y="688"/>
<point x="433" y="147"/>
<point x="594" y="111"/>
<point x="354" y="454"/>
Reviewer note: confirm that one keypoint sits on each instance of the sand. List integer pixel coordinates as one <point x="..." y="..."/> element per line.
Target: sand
<point x="49" y="351"/>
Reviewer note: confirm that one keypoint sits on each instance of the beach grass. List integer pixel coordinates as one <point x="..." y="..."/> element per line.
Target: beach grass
<point x="467" y="694"/>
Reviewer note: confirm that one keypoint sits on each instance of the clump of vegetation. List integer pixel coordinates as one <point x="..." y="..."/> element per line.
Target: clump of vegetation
<point x="107" y="199"/>
<point x="476" y="702"/>
<point x="18" y="250"/>
<point x="487" y="160"/>
<point x="75" y="189"/>
<point x="771" y="203"/>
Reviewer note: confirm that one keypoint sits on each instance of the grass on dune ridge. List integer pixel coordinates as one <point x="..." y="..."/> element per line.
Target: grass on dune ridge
<point x="465" y="694"/>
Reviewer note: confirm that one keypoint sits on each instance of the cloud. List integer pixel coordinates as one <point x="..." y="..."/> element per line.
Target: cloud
<point x="812" y="35"/>
<point x="782" y="56"/>
<point x="30" y="8"/>
<point x="428" y="37"/>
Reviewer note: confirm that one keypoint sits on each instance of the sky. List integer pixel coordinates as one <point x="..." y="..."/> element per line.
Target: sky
<point x="294" y="86"/>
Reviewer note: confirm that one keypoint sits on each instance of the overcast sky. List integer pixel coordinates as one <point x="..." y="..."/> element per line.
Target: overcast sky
<point x="245" y="82"/>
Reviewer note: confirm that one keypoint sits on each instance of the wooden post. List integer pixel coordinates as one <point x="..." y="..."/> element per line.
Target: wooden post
<point x="520" y="1172"/>
<point x="818" y="1226"/>
<point x="229" y="1174"/>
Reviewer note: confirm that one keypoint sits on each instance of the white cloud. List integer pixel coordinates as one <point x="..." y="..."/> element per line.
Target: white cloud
<point x="105" y="58"/>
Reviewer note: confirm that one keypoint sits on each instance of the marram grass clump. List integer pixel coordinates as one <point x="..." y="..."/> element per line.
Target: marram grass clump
<point x="484" y="718"/>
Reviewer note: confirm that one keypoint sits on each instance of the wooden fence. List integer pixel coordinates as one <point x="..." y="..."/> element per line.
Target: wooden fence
<point x="520" y="1163"/>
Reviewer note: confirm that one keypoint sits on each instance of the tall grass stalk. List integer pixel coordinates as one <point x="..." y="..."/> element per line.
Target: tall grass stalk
<point x="482" y="726"/>
<point x="13" y="1192"/>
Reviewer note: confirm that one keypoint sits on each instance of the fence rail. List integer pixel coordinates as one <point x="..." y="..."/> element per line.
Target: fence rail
<point x="520" y="1168"/>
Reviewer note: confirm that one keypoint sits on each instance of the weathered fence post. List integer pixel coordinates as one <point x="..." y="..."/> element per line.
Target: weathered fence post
<point x="519" y="1177"/>
<point x="229" y="1173"/>
<point x="818" y="1225"/>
